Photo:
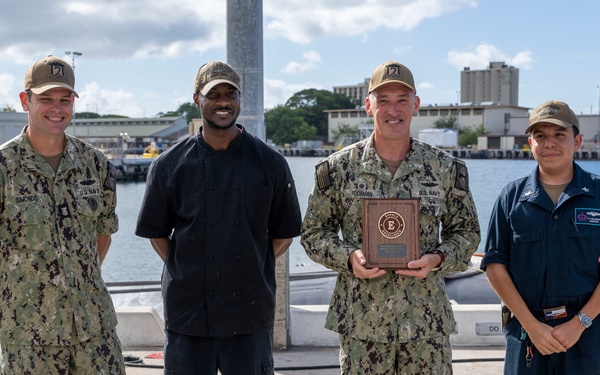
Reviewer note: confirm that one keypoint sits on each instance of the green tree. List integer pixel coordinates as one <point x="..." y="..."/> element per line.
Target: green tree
<point x="304" y="132"/>
<point x="311" y="104"/>
<point x="189" y="109"/>
<point x="286" y="125"/>
<point x="446" y="123"/>
<point x="86" y="115"/>
<point x="468" y="136"/>
<point x="113" y="116"/>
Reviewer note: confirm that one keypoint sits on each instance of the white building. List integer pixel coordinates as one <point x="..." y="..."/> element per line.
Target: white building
<point x="108" y="133"/>
<point x="489" y="98"/>
<point x="504" y="126"/>
<point x="11" y="124"/>
<point x="356" y="93"/>
<point x="495" y="118"/>
<point x="499" y="83"/>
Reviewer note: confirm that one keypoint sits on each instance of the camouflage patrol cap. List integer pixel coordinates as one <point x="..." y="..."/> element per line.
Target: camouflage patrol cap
<point x="391" y="72"/>
<point x="48" y="73"/>
<point x="213" y="73"/>
<point x="553" y="112"/>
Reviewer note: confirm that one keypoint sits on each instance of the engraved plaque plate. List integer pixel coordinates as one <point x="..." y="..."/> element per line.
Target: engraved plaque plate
<point x="390" y="232"/>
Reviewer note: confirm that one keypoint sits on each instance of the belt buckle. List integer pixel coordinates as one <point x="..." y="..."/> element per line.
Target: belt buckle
<point x="555" y="313"/>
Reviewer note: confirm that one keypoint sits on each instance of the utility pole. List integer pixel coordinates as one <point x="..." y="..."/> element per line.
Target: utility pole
<point x="73" y="55"/>
<point x="598" y="133"/>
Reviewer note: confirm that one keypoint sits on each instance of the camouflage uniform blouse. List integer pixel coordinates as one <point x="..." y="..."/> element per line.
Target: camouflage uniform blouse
<point x="50" y="283"/>
<point x="391" y="308"/>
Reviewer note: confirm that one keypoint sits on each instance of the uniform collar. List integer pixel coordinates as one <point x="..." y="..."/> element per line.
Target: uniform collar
<point x="371" y="162"/>
<point x="34" y="161"/>
<point x="581" y="184"/>
<point x="234" y="144"/>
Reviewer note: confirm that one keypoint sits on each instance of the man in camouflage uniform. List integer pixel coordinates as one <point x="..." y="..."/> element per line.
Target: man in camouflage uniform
<point x="392" y="322"/>
<point x="57" y="213"/>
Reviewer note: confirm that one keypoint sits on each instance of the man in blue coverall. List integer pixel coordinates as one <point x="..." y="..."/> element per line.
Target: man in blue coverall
<point x="543" y="253"/>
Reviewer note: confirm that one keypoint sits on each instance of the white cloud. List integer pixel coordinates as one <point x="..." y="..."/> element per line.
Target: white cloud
<point x="109" y="31"/>
<point x="402" y="50"/>
<point x="302" y="24"/>
<point x="142" y="28"/>
<point x="82" y="8"/>
<point x="23" y="53"/>
<point x="484" y="53"/>
<point x="522" y="60"/>
<point x="312" y="59"/>
<point x="425" y="86"/>
<point x="95" y="99"/>
<point x="277" y="92"/>
<point x="8" y="90"/>
<point x="112" y="29"/>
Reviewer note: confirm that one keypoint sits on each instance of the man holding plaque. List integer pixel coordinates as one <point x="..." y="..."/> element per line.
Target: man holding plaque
<point x="392" y="319"/>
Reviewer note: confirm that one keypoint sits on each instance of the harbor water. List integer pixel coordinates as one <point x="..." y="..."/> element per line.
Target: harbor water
<point x="131" y="258"/>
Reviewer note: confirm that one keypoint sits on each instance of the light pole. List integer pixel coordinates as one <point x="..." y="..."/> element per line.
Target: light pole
<point x="122" y="144"/>
<point x="73" y="55"/>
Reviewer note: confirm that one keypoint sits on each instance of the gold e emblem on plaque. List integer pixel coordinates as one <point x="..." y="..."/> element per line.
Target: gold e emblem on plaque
<point x="391" y="225"/>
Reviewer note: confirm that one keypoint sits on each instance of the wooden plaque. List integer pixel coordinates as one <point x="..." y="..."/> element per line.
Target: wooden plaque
<point x="390" y="232"/>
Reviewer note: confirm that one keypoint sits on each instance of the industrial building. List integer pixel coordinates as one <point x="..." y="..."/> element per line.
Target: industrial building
<point x="109" y="134"/>
<point x="489" y="98"/>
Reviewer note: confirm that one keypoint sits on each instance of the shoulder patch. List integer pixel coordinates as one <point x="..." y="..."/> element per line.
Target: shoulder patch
<point x="323" y="179"/>
<point x="111" y="178"/>
<point x="461" y="181"/>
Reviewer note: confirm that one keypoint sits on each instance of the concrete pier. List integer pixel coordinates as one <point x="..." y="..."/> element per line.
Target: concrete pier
<point x="459" y="153"/>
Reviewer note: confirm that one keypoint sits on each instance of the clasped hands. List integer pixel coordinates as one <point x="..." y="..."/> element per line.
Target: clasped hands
<point x="419" y="268"/>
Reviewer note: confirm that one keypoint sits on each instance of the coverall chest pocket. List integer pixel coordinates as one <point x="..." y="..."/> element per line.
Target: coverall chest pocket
<point x="584" y="249"/>
<point x="526" y="253"/>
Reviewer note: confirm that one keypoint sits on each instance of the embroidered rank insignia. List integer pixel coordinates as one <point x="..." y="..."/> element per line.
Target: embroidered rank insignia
<point x="323" y="179"/>
<point x="462" y="177"/>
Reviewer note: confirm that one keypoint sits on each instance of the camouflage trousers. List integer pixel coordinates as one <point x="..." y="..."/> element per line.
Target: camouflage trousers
<point x="432" y="356"/>
<point x="99" y="356"/>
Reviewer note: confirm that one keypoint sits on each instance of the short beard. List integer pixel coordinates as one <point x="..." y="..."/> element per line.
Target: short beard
<point x="214" y="125"/>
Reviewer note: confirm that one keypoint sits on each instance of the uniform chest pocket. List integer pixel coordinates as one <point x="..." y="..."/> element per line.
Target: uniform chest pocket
<point x="29" y="210"/>
<point x="584" y="250"/>
<point x="90" y="205"/>
<point x="433" y="206"/>
<point x="29" y="219"/>
<point x="526" y="251"/>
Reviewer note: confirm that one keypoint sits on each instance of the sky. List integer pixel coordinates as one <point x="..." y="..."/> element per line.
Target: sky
<point x="139" y="57"/>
